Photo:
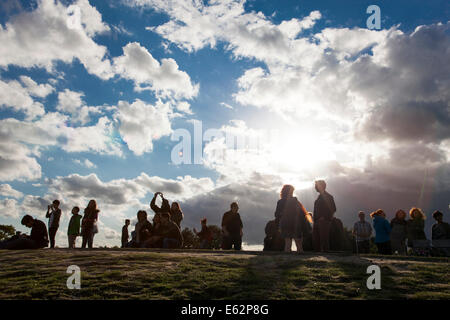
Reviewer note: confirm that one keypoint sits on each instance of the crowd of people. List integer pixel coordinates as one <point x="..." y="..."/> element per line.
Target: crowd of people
<point x="398" y="234"/>
<point x="292" y="222"/>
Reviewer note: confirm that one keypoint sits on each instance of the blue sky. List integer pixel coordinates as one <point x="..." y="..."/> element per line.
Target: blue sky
<point x="346" y="99"/>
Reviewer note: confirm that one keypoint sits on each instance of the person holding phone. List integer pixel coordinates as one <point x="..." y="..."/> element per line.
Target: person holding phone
<point x="165" y="207"/>
<point x="53" y="214"/>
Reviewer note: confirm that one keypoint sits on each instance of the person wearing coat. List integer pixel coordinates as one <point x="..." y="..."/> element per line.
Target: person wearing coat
<point x="291" y="216"/>
<point x="324" y="209"/>
<point x="382" y="231"/>
<point x="416" y="226"/>
<point x="399" y="232"/>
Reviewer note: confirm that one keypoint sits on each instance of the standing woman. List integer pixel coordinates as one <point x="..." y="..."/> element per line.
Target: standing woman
<point x="382" y="231"/>
<point x="416" y="226"/>
<point x="291" y="214"/>
<point x="176" y="215"/>
<point x="89" y="224"/>
<point x="399" y="232"/>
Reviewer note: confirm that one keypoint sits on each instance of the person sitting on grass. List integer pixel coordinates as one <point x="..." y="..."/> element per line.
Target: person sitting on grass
<point x="143" y="229"/>
<point x="382" y="231"/>
<point x="273" y="240"/>
<point x="205" y="235"/>
<point x="74" y="227"/>
<point x="170" y="233"/>
<point x="37" y="239"/>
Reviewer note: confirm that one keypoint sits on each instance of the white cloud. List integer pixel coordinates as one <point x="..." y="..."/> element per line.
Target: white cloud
<point x="71" y="102"/>
<point x="8" y="208"/>
<point x="164" y="78"/>
<point x="86" y="163"/>
<point x="13" y="94"/>
<point x="34" y="89"/>
<point x="42" y="36"/>
<point x="141" y="123"/>
<point x="16" y="161"/>
<point x="7" y="191"/>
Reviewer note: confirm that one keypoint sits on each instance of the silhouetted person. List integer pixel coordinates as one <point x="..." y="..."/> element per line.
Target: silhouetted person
<point x="291" y="216"/>
<point x="382" y="231"/>
<point x="232" y="228"/>
<point x="73" y="230"/>
<point x="143" y="229"/>
<point x="362" y="230"/>
<point x="89" y="224"/>
<point x="125" y="234"/>
<point x="205" y="235"/>
<point x="171" y="233"/>
<point x="37" y="239"/>
<point x="416" y="226"/>
<point x="53" y="214"/>
<point x="156" y="240"/>
<point x="399" y="232"/>
<point x="176" y="215"/>
<point x="337" y="235"/>
<point x="324" y="209"/>
<point x="273" y="240"/>
<point x="165" y="207"/>
<point x="441" y="229"/>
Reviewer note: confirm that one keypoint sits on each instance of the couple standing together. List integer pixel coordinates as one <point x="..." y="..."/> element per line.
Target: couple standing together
<point x="291" y="217"/>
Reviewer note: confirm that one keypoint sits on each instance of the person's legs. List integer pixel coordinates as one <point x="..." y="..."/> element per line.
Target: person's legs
<point x="84" y="242"/>
<point x="316" y="237"/>
<point x="52" y="234"/>
<point x="324" y="234"/>
<point x="365" y="246"/>
<point x="91" y="240"/>
<point x="387" y="247"/>
<point x="20" y="244"/>
<point x="72" y="238"/>
<point x="226" y="243"/>
<point x="299" y="244"/>
<point x="287" y="244"/>
<point x="237" y="242"/>
<point x="169" y="243"/>
<point x="380" y="248"/>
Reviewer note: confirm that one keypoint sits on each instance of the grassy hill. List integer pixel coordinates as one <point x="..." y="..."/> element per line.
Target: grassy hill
<point x="189" y="274"/>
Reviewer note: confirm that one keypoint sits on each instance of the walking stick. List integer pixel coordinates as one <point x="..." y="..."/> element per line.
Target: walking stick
<point x="356" y="243"/>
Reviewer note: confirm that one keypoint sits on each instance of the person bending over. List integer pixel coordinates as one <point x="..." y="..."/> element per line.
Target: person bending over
<point x="37" y="239"/>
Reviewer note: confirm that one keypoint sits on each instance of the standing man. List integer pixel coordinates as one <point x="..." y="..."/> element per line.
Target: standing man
<point x="324" y="209"/>
<point x="53" y="215"/>
<point x="362" y="230"/>
<point x="232" y="228"/>
<point x="125" y="233"/>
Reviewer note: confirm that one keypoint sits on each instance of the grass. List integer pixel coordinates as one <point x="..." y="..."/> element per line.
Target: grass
<point x="145" y="274"/>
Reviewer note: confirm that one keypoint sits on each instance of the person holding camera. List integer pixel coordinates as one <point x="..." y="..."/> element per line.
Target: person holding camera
<point x="165" y="207"/>
<point x="53" y="214"/>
